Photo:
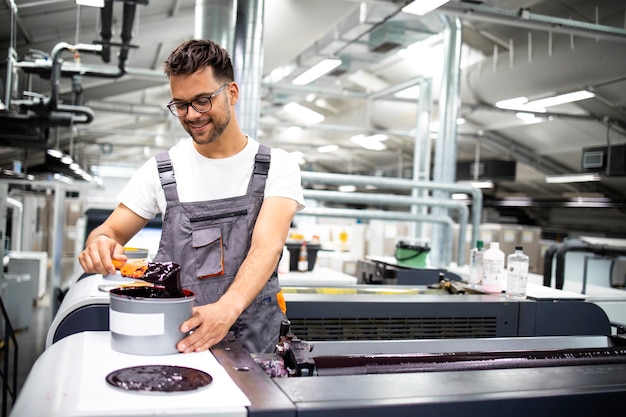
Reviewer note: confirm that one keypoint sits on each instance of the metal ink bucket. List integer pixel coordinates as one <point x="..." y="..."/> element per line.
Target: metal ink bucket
<point x="146" y="320"/>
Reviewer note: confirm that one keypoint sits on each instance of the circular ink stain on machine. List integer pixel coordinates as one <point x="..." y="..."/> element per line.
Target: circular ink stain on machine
<point x="146" y="320"/>
<point x="158" y="379"/>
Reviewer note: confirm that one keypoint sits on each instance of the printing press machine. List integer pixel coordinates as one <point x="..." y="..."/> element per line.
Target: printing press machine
<point x="517" y="376"/>
<point x="358" y="350"/>
<point x="380" y="312"/>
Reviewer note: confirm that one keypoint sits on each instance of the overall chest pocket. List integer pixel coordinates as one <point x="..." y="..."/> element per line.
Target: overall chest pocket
<point x="209" y="242"/>
<point x="208" y="251"/>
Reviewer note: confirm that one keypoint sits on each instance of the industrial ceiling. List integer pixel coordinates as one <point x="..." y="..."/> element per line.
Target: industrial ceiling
<point x="508" y="49"/>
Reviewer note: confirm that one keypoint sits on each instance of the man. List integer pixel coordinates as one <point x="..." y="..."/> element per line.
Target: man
<point x="227" y="205"/>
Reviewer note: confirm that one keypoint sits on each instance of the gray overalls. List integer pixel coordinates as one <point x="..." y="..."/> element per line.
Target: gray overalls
<point x="210" y="240"/>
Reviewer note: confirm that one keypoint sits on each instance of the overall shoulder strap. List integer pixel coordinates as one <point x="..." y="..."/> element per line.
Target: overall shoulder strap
<point x="261" y="168"/>
<point x="166" y="174"/>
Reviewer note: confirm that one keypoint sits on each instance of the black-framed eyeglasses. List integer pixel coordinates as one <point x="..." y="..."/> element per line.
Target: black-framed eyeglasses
<point x="201" y="104"/>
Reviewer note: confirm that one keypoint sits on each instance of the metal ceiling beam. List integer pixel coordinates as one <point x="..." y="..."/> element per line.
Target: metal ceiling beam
<point x="524" y="18"/>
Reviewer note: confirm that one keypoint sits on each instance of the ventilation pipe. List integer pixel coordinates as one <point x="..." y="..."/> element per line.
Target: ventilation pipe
<point x="576" y="245"/>
<point x="380" y="215"/>
<point x="404" y="184"/>
<point x="55" y="77"/>
<point x="421" y="147"/>
<point x="568" y="51"/>
<point x="387" y="199"/>
<point x="106" y="31"/>
<point x="215" y="20"/>
<point x="449" y="104"/>
<point x="248" y="62"/>
<point x="127" y="34"/>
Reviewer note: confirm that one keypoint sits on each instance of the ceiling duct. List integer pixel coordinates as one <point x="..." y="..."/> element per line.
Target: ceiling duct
<point x="563" y="53"/>
<point x="386" y="38"/>
<point x="248" y="62"/>
<point x="524" y="18"/>
<point x="566" y="70"/>
<point x="215" y="20"/>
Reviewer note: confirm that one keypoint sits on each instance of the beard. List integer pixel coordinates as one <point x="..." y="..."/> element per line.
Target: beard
<point x="217" y="129"/>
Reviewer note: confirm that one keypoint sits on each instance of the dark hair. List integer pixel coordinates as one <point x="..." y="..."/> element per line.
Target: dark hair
<point x="196" y="54"/>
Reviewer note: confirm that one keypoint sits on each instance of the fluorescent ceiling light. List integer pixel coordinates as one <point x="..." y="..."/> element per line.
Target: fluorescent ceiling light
<point x="316" y="71"/>
<point x="529" y="118"/>
<point x="482" y="184"/>
<point x="373" y="143"/>
<point x="562" y="99"/>
<point x="55" y="153"/>
<point x="421" y="7"/>
<point x="561" y="179"/>
<point x="522" y="103"/>
<point x="90" y="3"/>
<point x="459" y="196"/>
<point x="516" y="103"/>
<point x="327" y="148"/>
<point x="305" y="114"/>
<point x="588" y="202"/>
<point x="347" y="188"/>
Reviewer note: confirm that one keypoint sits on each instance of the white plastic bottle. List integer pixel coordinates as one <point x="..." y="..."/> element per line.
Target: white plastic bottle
<point x="476" y="265"/>
<point x="493" y="267"/>
<point x="517" y="274"/>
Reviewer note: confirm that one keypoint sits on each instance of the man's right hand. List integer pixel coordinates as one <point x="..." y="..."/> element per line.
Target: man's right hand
<point x="101" y="254"/>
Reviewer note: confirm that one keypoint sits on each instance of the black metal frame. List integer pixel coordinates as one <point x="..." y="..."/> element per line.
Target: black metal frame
<point x="9" y="336"/>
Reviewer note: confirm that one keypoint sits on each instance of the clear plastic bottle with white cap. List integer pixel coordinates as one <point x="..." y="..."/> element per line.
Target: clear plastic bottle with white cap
<point x="493" y="269"/>
<point x="517" y="274"/>
<point x="476" y="265"/>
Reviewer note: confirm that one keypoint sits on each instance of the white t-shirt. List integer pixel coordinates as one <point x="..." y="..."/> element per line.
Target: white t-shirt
<point x="199" y="178"/>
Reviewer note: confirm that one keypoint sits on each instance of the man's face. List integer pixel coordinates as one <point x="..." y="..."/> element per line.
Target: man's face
<point x="207" y="127"/>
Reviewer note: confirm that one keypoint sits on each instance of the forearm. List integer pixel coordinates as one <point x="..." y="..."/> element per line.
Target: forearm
<point x="252" y="276"/>
<point x="268" y="240"/>
<point x="120" y="226"/>
<point x="102" y="230"/>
